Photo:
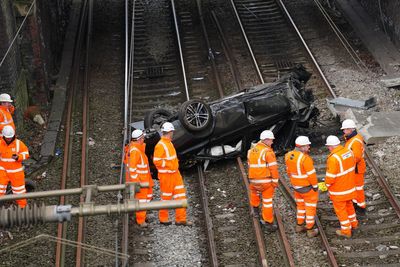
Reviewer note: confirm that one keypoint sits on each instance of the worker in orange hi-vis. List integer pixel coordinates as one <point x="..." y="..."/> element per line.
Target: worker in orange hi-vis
<point x="263" y="177"/>
<point x="171" y="182"/>
<point x="300" y="169"/>
<point x="355" y="142"/>
<point x="6" y="111"/>
<point x="339" y="179"/>
<point x="139" y="171"/>
<point x="12" y="152"/>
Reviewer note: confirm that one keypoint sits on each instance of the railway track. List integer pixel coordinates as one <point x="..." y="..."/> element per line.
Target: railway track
<point x="76" y="119"/>
<point x="375" y="243"/>
<point x="197" y="55"/>
<point x="159" y="78"/>
<point x="343" y="253"/>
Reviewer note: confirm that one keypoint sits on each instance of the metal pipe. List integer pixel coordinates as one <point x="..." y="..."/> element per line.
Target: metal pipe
<point x="180" y="50"/>
<point x="34" y="214"/>
<point x="69" y="192"/>
<point x="127" y="206"/>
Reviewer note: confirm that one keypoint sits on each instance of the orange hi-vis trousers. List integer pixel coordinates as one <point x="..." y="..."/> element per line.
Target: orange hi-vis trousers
<point x="171" y="187"/>
<point x="347" y="216"/>
<point x="306" y="207"/>
<point x="360" y="198"/>
<point x="17" y="180"/>
<point x="267" y="192"/>
<point x="144" y="195"/>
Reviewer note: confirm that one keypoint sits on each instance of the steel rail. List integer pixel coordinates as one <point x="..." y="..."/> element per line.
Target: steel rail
<point x="227" y="51"/>
<point x="210" y="51"/>
<point x="247" y="42"/>
<point x="129" y="52"/>
<point x="262" y="251"/>
<point x="283" y="239"/>
<point x="61" y="230"/>
<point x="85" y="121"/>
<point x="180" y="49"/>
<point x="208" y="221"/>
<point x="286" y="191"/>
<point x="341" y="37"/>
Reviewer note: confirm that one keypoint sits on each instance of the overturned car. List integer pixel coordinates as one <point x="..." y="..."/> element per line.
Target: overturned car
<point x="226" y="127"/>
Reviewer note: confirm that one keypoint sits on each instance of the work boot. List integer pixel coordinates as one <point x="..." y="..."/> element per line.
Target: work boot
<point x="143" y="225"/>
<point x="361" y="212"/>
<point x="339" y="233"/>
<point x="166" y="223"/>
<point x="256" y="211"/>
<point x="312" y="232"/>
<point x="271" y="227"/>
<point x="185" y="223"/>
<point x="300" y="228"/>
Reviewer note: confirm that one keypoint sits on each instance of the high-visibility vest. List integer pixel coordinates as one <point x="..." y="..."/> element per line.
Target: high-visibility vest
<point x="262" y="164"/>
<point x="356" y="145"/>
<point x="16" y="147"/>
<point x="300" y="168"/>
<point x="6" y="117"/>
<point x="165" y="158"/>
<point x="138" y="164"/>
<point x="340" y="174"/>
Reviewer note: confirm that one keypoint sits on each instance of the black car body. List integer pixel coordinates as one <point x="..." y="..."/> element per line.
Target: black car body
<point x="199" y="127"/>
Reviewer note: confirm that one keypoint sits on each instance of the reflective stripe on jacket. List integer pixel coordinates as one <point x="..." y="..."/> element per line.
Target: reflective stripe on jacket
<point x="16" y="147"/>
<point x="340" y="174"/>
<point x="356" y="144"/>
<point x="138" y="164"/>
<point x="6" y="117"/>
<point x="263" y="167"/>
<point x="165" y="158"/>
<point x="300" y="168"/>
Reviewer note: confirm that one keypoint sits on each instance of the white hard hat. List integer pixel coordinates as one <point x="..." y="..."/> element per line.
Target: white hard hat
<point x="348" y="124"/>
<point x="332" y="141"/>
<point x="267" y="134"/>
<point x="5" y="98"/>
<point x="8" y="131"/>
<point x="302" y="141"/>
<point x="136" y="134"/>
<point x="167" y="127"/>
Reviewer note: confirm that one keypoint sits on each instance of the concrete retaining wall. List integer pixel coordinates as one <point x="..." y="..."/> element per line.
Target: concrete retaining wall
<point x="386" y="14"/>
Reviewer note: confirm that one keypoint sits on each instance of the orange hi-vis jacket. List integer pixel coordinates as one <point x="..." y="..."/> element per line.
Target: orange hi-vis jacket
<point x="138" y="164"/>
<point x="356" y="145"/>
<point x="16" y="147"/>
<point x="263" y="167"/>
<point x="6" y="117"/>
<point x="165" y="158"/>
<point x="340" y="174"/>
<point x="300" y="168"/>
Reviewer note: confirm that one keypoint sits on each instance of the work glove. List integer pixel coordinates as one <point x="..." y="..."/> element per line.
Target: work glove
<point x="15" y="157"/>
<point x="322" y="187"/>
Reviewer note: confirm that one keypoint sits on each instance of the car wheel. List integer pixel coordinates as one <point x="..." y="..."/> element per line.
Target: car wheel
<point x="195" y="115"/>
<point x="155" y="118"/>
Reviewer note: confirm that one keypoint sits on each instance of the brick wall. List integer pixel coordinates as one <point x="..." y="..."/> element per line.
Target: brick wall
<point x="10" y="69"/>
<point x="387" y="14"/>
<point x="32" y="65"/>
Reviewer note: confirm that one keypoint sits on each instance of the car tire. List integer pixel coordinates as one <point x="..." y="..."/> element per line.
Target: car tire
<point x="156" y="117"/>
<point x="195" y="115"/>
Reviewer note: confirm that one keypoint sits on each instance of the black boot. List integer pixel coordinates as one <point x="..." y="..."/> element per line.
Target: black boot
<point x="361" y="212"/>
